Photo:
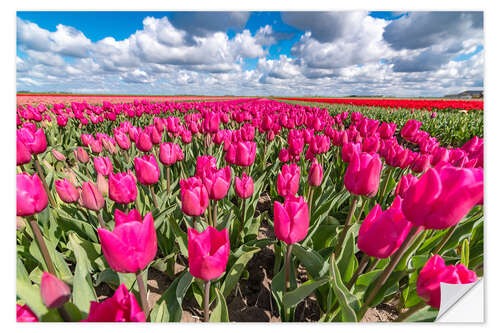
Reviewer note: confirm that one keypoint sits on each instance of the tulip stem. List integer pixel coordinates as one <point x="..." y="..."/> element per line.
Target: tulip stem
<point x="242" y="223"/>
<point x="101" y="220"/>
<point x="214" y="220"/>
<point x="44" y="182"/>
<point x="364" y="261"/>
<point x="389" y="268"/>
<point x="206" y="301"/>
<point x="264" y="156"/>
<point x="309" y="199"/>
<point x="168" y="180"/>
<point x="365" y="200"/>
<point x="289" y="248"/>
<point x="411" y="311"/>
<point x="373" y="265"/>
<point x="143" y="293"/>
<point x="347" y="224"/>
<point x="155" y="203"/>
<point x="445" y="239"/>
<point x="41" y="244"/>
<point x="386" y="182"/>
<point x="64" y="314"/>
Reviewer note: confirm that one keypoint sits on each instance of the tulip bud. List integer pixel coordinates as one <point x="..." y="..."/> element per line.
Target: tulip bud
<point x="194" y="196"/>
<point x="168" y="153"/>
<point x="122" y="187"/>
<point x="147" y="170"/>
<point x="421" y="163"/>
<point x="217" y="182"/>
<point x="243" y="186"/>
<point x="66" y="190"/>
<point x="54" y="292"/>
<point x="121" y="217"/>
<point x="131" y="246"/>
<point x="291" y="219"/>
<point x="362" y="176"/>
<point x="315" y="176"/>
<point x="143" y="142"/>
<point x="91" y="197"/>
<point x="31" y="196"/>
<point x="288" y="180"/>
<point x="102" y="184"/>
<point x="208" y="253"/>
<point x="58" y="156"/>
<point x="404" y="184"/>
<point x="103" y="165"/>
<point x="81" y="155"/>
<point x="245" y="153"/>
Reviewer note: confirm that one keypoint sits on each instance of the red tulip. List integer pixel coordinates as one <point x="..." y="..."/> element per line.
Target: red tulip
<point x="362" y="176"/>
<point x="147" y="170"/>
<point x="383" y="232"/>
<point x="243" y="186"/>
<point x="31" y="196"/>
<point x="54" y="292"/>
<point x="291" y="219"/>
<point x="91" y="197"/>
<point x="434" y="272"/>
<point x="131" y="246"/>
<point x="194" y="196"/>
<point x="25" y="315"/>
<point x="121" y="307"/>
<point x="443" y="196"/>
<point x="66" y="190"/>
<point x="288" y="180"/>
<point x="122" y="187"/>
<point x="208" y="253"/>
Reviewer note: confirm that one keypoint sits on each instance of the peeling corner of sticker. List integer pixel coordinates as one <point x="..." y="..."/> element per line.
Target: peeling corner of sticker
<point x="462" y="303"/>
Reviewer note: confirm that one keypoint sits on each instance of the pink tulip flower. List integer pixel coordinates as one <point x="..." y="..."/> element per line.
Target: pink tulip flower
<point x="31" y="196"/>
<point x="291" y="219"/>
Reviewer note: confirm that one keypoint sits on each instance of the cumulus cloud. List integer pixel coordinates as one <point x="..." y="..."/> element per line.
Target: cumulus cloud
<point x="203" y="23"/>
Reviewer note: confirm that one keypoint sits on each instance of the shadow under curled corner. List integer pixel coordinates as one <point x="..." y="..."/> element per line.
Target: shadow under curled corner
<point x="462" y="303"/>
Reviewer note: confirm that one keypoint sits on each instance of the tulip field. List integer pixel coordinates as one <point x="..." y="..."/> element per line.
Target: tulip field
<point x="245" y="209"/>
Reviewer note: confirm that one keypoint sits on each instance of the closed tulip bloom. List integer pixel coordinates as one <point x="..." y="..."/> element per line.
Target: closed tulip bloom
<point x="315" y="176"/>
<point x="421" y="163"/>
<point x="54" y="292"/>
<point x="168" y="153"/>
<point x="443" y="196"/>
<point x="243" y="186"/>
<point x="121" y="307"/>
<point x="217" y="182"/>
<point x="31" y="196"/>
<point x="58" y="155"/>
<point x="204" y="164"/>
<point x="102" y="184"/>
<point x="245" y="153"/>
<point x="36" y="142"/>
<point x="362" y="176"/>
<point x="131" y="246"/>
<point x="284" y="156"/>
<point x="383" y="232"/>
<point x="95" y="146"/>
<point x="386" y="130"/>
<point x="441" y="154"/>
<point x="194" y="196"/>
<point x="25" y="315"/>
<point x="143" y="141"/>
<point x="371" y="144"/>
<point x="122" y="217"/>
<point x="122" y="140"/>
<point x="81" y="155"/>
<point x="288" y="180"/>
<point x="230" y="156"/>
<point x="23" y="154"/>
<point x="291" y="219"/>
<point x="434" y="272"/>
<point x="66" y="190"/>
<point x="348" y="150"/>
<point x="410" y="128"/>
<point x="122" y="187"/>
<point x="404" y="184"/>
<point x="155" y="136"/>
<point x="62" y="120"/>
<point x="91" y="197"/>
<point x="103" y="165"/>
<point x="208" y="253"/>
<point x="147" y="170"/>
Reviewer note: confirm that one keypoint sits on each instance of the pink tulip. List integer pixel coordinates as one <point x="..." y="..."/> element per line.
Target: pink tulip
<point x="102" y="184"/>
<point x="54" y="292"/>
<point x="122" y="187"/>
<point x="208" y="253"/>
<point x="147" y="170"/>
<point x="31" y="196"/>
<point x="36" y="142"/>
<point x="143" y="142"/>
<point x="434" y="272"/>
<point x="217" y="182"/>
<point x="362" y="176"/>
<point x="441" y="154"/>
<point x="443" y="196"/>
<point x="371" y="144"/>
<point x="58" y="156"/>
<point x="288" y="180"/>
<point x="95" y="146"/>
<point x="382" y="233"/>
<point x="81" y="155"/>
<point x="23" y="154"/>
<point x="194" y="196"/>
<point x="103" y="165"/>
<point x="421" y="163"/>
<point x="122" y="140"/>
<point x="25" y="315"/>
<point x="410" y="129"/>
<point x="315" y="176"/>
<point x="243" y="186"/>
<point x="121" y="307"/>
<point x="245" y="153"/>
<point x="348" y="150"/>
<point x="91" y="197"/>
<point x="131" y="246"/>
<point x="386" y="130"/>
<point x="66" y="190"/>
<point x="204" y="164"/>
<point x="121" y="217"/>
<point x="168" y="153"/>
<point x="284" y="156"/>
<point x="291" y="219"/>
<point x="404" y="184"/>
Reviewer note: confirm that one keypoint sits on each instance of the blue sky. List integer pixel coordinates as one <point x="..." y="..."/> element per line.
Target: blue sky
<point x="257" y="53"/>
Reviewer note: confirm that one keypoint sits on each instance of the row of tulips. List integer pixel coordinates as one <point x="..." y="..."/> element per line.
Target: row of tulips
<point x="96" y="221"/>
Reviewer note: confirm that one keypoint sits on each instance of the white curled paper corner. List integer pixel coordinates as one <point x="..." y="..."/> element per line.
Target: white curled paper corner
<point x="462" y="303"/>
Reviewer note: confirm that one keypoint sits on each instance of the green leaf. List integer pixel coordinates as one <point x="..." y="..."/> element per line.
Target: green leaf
<point x="349" y="304"/>
<point x="83" y="291"/>
<point x="346" y="261"/>
<point x="294" y="297"/>
<point x="427" y="314"/>
<point x="180" y="237"/>
<point x="233" y="275"/>
<point x="315" y="264"/>
<point x="220" y="313"/>
<point x="464" y="253"/>
<point x="169" y="307"/>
